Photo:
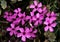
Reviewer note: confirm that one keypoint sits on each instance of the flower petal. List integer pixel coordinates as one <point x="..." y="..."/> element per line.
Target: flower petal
<point x="28" y="35"/>
<point x="53" y="24"/>
<point x="27" y="29"/>
<point x="11" y="33"/>
<point x="19" y="9"/>
<point x="35" y="31"/>
<point x="40" y="21"/>
<point x="40" y="10"/>
<point x="12" y="25"/>
<point x="32" y="13"/>
<point x="46" y="28"/>
<point x="37" y="15"/>
<point x="23" y="38"/>
<point x="53" y="14"/>
<point x="51" y="29"/>
<point x="28" y="17"/>
<point x="46" y="23"/>
<point x="40" y="4"/>
<point x="19" y="34"/>
<point x="21" y="29"/>
<point x="33" y="35"/>
<point x="32" y="6"/>
<point x="8" y="29"/>
<point x="23" y="22"/>
<point x="35" y="3"/>
<point x="36" y="23"/>
<point x="16" y="11"/>
<point x="17" y="28"/>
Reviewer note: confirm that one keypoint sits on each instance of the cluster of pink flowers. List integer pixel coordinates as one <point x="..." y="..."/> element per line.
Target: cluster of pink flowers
<point x="50" y="21"/>
<point x="38" y="16"/>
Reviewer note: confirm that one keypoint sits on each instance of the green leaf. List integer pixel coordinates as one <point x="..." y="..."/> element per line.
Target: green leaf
<point x="3" y="4"/>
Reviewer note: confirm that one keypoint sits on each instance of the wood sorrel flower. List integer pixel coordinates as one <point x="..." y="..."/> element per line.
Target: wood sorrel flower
<point x="36" y="4"/>
<point x="50" y="27"/>
<point x="50" y="21"/>
<point x="26" y="33"/>
<point x="13" y="29"/>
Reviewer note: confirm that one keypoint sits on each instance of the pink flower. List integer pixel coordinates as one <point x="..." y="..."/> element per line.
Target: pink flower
<point x="49" y="20"/>
<point x="36" y="5"/>
<point x="22" y="17"/>
<point x="13" y="29"/>
<point x="36" y="19"/>
<point x="18" y="10"/>
<point x="51" y="14"/>
<point x="26" y="33"/>
<point x="39" y="18"/>
<point x="50" y="27"/>
<point x="9" y="16"/>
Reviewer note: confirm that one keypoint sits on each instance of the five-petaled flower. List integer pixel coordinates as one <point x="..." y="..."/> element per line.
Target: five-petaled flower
<point x="13" y="29"/>
<point x="26" y="33"/>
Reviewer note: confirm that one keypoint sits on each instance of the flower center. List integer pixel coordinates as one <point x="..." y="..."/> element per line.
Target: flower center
<point x="23" y="33"/>
<point x="13" y="29"/>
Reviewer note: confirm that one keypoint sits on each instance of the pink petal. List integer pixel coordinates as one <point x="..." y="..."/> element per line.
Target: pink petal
<point x="9" y="29"/>
<point x="34" y="18"/>
<point x="28" y="35"/>
<point x="32" y="13"/>
<point x="19" y="9"/>
<point x="15" y="32"/>
<point x="12" y="25"/>
<point x="14" y="16"/>
<point x="53" y="24"/>
<point x="53" y="14"/>
<point x="53" y="18"/>
<point x="47" y="19"/>
<point x="28" y="17"/>
<point x="46" y="23"/>
<point x="20" y="14"/>
<point x="51" y="29"/>
<point x="44" y="9"/>
<point x="35" y="31"/>
<point x="17" y="28"/>
<point x="40" y="10"/>
<point x="48" y="14"/>
<point x="23" y="22"/>
<point x="21" y="29"/>
<point x="41" y="17"/>
<point x="36" y="23"/>
<point x="46" y="28"/>
<point x="33" y="35"/>
<point x="40" y="4"/>
<point x="32" y="6"/>
<point x="27" y="29"/>
<point x="24" y="14"/>
<point x="37" y="15"/>
<point x="31" y="29"/>
<point x="19" y="34"/>
<point x="35" y="3"/>
<point x="40" y="21"/>
<point x="11" y="33"/>
<point x="34" y="10"/>
<point x="9" y="19"/>
<point x="6" y="13"/>
<point x="23" y="38"/>
<point x="16" y="11"/>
